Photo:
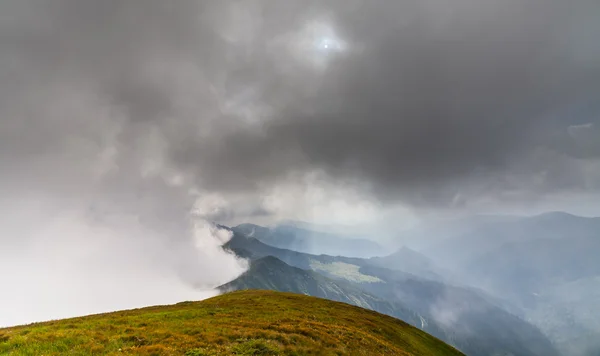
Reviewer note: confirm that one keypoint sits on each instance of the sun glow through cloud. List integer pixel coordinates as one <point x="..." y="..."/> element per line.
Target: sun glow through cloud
<point x="318" y="43"/>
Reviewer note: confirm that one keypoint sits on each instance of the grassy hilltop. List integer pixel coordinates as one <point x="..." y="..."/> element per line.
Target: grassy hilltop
<point x="238" y="323"/>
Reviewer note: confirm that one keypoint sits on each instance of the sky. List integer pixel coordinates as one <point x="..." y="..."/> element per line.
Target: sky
<point x="126" y="127"/>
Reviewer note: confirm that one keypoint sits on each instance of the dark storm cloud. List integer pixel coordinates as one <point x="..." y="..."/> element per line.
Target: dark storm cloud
<point x="88" y="92"/>
<point x="430" y="100"/>
<point x="438" y="95"/>
<point x="125" y="124"/>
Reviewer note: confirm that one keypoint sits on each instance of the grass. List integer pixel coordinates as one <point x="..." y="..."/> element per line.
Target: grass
<point x="344" y="270"/>
<point x="239" y="323"/>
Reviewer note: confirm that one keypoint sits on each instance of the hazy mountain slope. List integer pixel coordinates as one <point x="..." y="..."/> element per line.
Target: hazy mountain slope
<point x="542" y="264"/>
<point x="459" y="249"/>
<point x="332" y="266"/>
<point x="308" y="241"/>
<point x="474" y="322"/>
<point x="568" y="314"/>
<point x="302" y="260"/>
<point x="522" y="270"/>
<point x="240" y="323"/>
<point x="410" y="261"/>
<point x="430" y="234"/>
<point x="557" y="283"/>
<point x="270" y="273"/>
<point x="500" y="331"/>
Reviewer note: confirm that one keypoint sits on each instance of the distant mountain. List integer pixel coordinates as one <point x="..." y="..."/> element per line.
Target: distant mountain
<point x="568" y="315"/>
<point x="337" y="267"/>
<point x="462" y="313"/>
<point x="542" y="264"/>
<point x="410" y="261"/>
<point x="311" y="241"/>
<point x="521" y="270"/>
<point x="520" y="259"/>
<point x="270" y="273"/>
<point x="477" y="326"/>
<point x="247" y="244"/>
<point x="429" y="234"/>
<point x="349" y="231"/>
<point x="459" y="249"/>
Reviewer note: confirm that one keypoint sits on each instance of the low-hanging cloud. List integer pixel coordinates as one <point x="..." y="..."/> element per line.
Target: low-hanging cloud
<point x="62" y="261"/>
<point x="440" y="95"/>
<point x="415" y="99"/>
<point x="128" y="116"/>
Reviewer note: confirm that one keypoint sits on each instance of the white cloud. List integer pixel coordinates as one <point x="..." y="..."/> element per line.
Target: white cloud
<point x="61" y="263"/>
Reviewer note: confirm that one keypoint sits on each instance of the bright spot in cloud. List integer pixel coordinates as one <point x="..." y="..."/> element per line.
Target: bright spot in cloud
<point x="317" y="43"/>
<point x="329" y="44"/>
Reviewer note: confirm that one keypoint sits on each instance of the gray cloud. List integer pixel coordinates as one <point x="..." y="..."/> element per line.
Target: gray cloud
<point x="427" y="94"/>
<point x="293" y="109"/>
<point x="430" y="103"/>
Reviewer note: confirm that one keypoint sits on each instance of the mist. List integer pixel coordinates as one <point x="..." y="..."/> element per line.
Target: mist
<point x="128" y="129"/>
<point x="65" y="263"/>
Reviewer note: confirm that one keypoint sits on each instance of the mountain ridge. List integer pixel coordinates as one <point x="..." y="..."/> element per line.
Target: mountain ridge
<point x="239" y="323"/>
<point x="304" y="240"/>
<point x="406" y="290"/>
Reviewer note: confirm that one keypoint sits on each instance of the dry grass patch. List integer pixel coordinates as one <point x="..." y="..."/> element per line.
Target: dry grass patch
<point x="238" y="323"/>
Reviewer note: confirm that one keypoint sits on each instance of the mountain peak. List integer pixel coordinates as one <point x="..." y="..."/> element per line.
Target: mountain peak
<point x="556" y="214"/>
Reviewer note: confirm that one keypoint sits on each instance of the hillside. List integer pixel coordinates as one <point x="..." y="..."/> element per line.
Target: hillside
<point x="270" y="273"/>
<point x="546" y="265"/>
<point x="568" y="314"/>
<point x="239" y="323"/>
<point x="457" y="310"/>
<point x="311" y="241"/>
<point x="458" y="250"/>
<point x="522" y="270"/>
<point x="410" y="261"/>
